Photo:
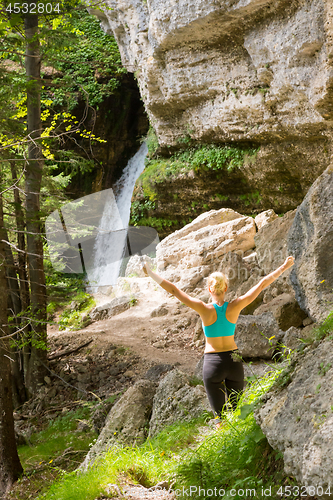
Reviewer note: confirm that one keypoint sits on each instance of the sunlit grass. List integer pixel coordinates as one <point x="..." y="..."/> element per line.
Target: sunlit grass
<point x="182" y="455"/>
<point x="61" y="434"/>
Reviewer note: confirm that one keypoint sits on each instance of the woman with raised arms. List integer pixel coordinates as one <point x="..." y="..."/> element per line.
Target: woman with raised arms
<point x="223" y="375"/>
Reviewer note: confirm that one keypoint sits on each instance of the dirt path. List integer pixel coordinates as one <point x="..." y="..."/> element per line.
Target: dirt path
<point x="166" y="339"/>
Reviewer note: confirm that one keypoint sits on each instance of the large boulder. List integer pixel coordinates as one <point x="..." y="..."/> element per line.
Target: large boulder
<point x="190" y="254"/>
<point x="310" y="240"/>
<point x="127" y="421"/>
<point x="265" y="218"/>
<point x="112" y="308"/>
<point x="271" y="242"/>
<point x="298" y="419"/>
<point x="271" y="249"/>
<point x="285" y="310"/>
<point x="176" y="400"/>
<point x="257" y="336"/>
<point x="134" y="266"/>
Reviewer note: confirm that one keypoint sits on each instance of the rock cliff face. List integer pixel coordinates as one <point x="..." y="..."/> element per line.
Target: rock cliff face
<point x="311" y="241"/>
<point x="298" y="419"/>
<point x="228" y="71"/>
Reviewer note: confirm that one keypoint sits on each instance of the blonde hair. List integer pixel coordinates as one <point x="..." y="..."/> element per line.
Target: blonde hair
<point x="217" y="282"/>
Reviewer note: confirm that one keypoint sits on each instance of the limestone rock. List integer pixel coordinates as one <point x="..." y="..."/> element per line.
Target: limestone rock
<point x="268" y="84"/>
<point x="100" y="414"/>
<point x="308" y="331"/>
<point x="310" y="240"/>
<point x="307" y="321"/>
<point x="198" y="333"/>
<point x="271" y="248"/>
<point x="211" y="218"/>
<point x="271" y="242"/>
<point x="155" y="372"/>
<point x="285" y="309"/>
<point x="291" y="338"/>
<point x="253" y="279"/>
<point x="127" y="420"/>
<point x="265" y="218"/>
<point x="186" y="257"/>
<point x="159" y="311"/>
<point x="250" y="258"/>
<point x="252" y="335"/>
<point x="160" y="344"/>
<point x="257" y="369"/>
<point x="176" y="400"/>
<point x="237" y="270"/>
<point x="185" y="79"/>
<point x="298" y="419"/>
<point x="198" y="369"/>
<point x="112" y="308"/>
<point x="134" y="266"/>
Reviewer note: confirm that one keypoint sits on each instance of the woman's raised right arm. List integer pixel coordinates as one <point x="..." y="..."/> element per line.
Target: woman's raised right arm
<point x="238" y="304"/>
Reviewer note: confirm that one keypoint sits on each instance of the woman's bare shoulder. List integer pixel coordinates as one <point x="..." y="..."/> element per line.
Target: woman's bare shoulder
<point x="232" y="311"/>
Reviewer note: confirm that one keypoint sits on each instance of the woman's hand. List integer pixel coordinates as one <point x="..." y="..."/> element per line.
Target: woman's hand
<point x="145" y="268"/>
<point x="289" y="262"/>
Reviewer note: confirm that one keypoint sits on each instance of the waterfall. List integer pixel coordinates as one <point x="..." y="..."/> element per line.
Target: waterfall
<point x="110" y="240"/>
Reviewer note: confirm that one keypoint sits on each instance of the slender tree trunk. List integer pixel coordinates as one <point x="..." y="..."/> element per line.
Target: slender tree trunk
<point x="37" y="361"/>
<point x="10" y="466"/>
<point x="19" y="368"/>
<point x="14" y="308"/>
<point x="20" y="224"/>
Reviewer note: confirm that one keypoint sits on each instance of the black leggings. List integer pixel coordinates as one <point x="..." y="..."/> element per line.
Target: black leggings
<point x="223" y="378"/>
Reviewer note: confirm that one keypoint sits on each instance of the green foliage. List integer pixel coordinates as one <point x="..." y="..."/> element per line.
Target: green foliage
<point x="64" y="284"/>
<point x="140" y="215"/>
<point x="139" y="210"/>
<point x="152" y="142"/>
<point x="222" y="197"/>
<point x="158" y="223"/>
<point x="322" y="330"/>
<point x="133" y="301"/>
<point x="250" y="198"/>
<point x="323" y="369"/>
<point x="72" y="318"/>
<point x="199" y="159"/>
<point x="236" y="456"/>
<point x="148" y="464"/>
<point x="211" y="157"/>
<point x="45" y="446"/>
<point x="90" y="61"/>
<point x="194" y="381"/>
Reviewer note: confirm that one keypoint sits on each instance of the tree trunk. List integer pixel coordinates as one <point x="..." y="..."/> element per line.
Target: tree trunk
<point x="36" y="369"/>
<point x="10" y="465"/>
<point x="14" y="308"/>
<point x="19" y="367"/>
<point x="20" y="224"/>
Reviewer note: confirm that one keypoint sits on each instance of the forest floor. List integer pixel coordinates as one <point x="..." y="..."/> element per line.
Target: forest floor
<point x="80" y="384"/>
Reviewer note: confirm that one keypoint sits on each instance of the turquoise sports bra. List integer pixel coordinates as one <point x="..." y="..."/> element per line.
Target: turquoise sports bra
<point x="222" y="327"/>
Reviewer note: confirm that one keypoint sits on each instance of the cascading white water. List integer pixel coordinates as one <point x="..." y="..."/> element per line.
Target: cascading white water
<point x="110" y="242"/>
